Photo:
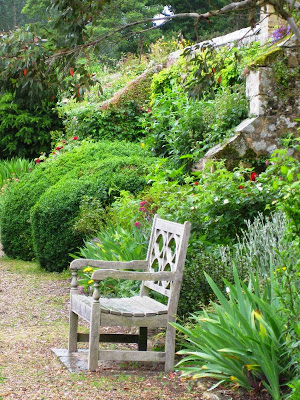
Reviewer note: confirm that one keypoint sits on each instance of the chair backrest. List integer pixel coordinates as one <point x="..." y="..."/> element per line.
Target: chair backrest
<point x="166" y="252"/>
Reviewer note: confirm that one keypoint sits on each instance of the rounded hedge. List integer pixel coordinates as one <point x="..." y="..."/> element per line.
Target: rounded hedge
<point x="20" y="197"/>
<point x="53" y="216"/>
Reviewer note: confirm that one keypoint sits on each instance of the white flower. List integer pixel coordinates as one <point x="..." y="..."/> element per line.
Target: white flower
<point x="227" y="289"/>
<point x="216" y="198"/>
<point x="226" y="201"/>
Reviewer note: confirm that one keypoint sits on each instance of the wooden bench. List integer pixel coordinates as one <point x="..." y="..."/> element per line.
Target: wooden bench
<point x="163" y="270"/>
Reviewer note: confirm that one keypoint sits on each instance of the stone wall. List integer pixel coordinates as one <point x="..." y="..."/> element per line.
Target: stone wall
<point x="273" y="90"/>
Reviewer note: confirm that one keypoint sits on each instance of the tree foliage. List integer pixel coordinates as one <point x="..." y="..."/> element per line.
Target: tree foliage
<point x="10" y="14"/>
<point x="35" y="68"/>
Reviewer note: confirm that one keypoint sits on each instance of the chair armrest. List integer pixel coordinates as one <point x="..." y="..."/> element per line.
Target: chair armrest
<point x="129" y="275"/>
<point x="83" y="262"/>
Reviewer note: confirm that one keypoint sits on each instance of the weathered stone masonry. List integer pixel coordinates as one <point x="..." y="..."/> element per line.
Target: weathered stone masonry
<point x="274" y="106"/>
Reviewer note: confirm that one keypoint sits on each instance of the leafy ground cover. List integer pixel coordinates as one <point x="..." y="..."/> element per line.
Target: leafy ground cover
<point x="34" y="318"/>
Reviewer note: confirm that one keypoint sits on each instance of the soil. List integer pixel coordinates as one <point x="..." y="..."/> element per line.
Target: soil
<point x="34" y="319"/>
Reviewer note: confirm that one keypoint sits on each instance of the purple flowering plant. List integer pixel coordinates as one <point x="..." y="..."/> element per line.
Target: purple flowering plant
<point x="280" y="33"/>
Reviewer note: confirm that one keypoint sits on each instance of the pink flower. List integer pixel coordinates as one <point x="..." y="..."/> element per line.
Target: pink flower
<point x="253" y="176"/>
<point x="143" y="203"/>
<point x="75" y="137"/>
<point x="142" y="209"/>
<point x="267" y="162"/>
<point x="149" y="110"/>
<point x="137" y="224"/>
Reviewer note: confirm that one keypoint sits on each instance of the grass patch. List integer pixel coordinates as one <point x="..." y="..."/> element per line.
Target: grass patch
<point x="78" y="377"/>
<point x="104" y="383"/>
<point x="31" y="268"/>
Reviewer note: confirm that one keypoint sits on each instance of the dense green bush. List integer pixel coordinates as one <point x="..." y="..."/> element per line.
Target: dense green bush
<point x="24" y="132"/>
<point x="115" y="123"/>
<point x="178" y="125"/>
<point x="21" y="196"/>
<point x="53" y="215"/>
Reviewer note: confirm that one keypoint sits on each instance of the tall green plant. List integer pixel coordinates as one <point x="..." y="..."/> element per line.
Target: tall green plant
<point x="243" y="340"/>
<point x="14" y="168"/>
<point x="116" y="244"/>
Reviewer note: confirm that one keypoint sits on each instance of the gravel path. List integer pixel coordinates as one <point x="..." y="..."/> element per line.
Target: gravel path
<point x="33" y="319"/>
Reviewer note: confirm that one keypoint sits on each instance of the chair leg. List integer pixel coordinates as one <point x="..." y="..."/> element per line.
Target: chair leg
<point x="142" y="344"/>
<point x="94" y="337"/>
<point x="170" y="348"/>
<point x="73" y="328"/>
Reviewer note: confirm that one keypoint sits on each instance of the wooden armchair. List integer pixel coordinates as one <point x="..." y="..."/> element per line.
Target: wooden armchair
<point x="163" y="274"/>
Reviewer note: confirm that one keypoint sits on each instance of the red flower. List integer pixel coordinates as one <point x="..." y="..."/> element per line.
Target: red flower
<point x="253" y="176"/>
<point x="137" y="224"/>
<point x="25" y="71"/>
<point x="71" y="71"/>
<point x="58" y="148"/>
<point x="213" y="70"/>
<point x="196" y="183"/>
<point x="53" y="152"/>
<point x="38" y="160"/>
<point x="219" y="80"/>
<point x="149" y="110"/>
<point x="75" y="137"/>
<point x="241" y="187"/>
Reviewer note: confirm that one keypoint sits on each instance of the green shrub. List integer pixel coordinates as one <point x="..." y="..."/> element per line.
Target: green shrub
<point x="53" y="215"/>
<point x="91" y="217"/>
<point x="178" y="125"/>
<point x="23" y="132"/>
<point x="195" y="290"/>
<point x="282" y="180"/>
<point x="89" y="120"/>
<point x="21" y="196"/>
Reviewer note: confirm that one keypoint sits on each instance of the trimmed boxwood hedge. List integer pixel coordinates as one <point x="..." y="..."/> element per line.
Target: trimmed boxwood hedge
<point x="20" y="197"/>
<point x="52" y="217"/>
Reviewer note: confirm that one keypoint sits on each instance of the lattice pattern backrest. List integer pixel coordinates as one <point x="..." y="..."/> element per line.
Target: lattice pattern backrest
<point x="164" y="252"/>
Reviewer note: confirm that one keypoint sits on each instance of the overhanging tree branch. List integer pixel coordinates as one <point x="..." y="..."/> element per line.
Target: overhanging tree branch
<point x="234" y="6"/>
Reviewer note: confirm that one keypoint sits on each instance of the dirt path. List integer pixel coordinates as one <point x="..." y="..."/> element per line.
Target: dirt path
<point x="33" y="319"/>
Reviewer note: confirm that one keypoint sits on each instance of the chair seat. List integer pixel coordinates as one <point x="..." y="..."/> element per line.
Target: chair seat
<point x="136" y="306"/>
